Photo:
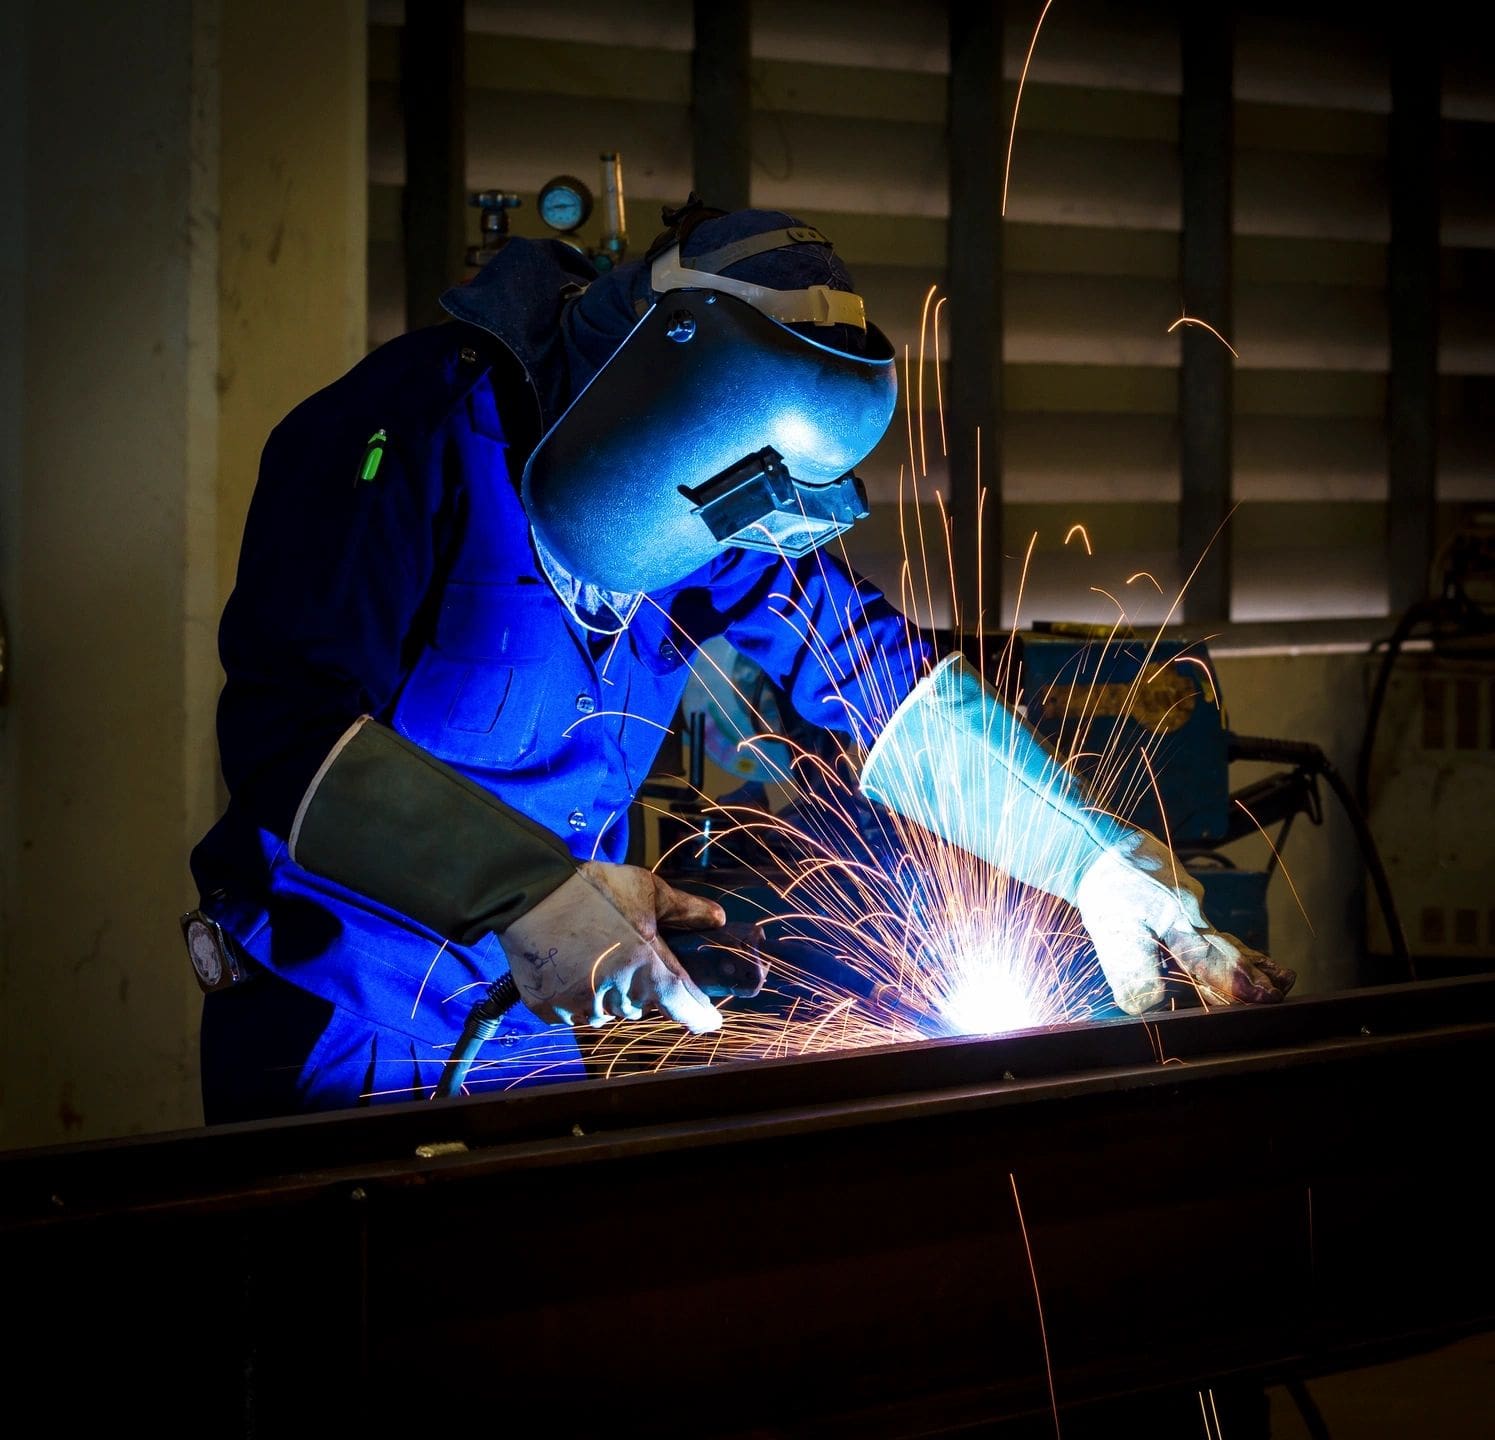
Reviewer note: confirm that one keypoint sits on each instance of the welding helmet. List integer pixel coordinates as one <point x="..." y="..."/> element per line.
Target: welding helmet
<point x="722" y="419"/>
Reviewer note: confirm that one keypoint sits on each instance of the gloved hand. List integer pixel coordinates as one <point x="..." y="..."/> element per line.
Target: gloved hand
<point x="958" y="760"/>
<point x="1140" y="905"/>
<point x="590" y="951"/>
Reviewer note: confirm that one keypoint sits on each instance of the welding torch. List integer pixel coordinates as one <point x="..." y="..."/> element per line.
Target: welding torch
<point x="898" y="1004"/>
<point x="727" y="961"/>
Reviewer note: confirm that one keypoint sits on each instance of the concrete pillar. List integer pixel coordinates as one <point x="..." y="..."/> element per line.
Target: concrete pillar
<point x="125" y="378"/>
<point x="12" y="408"/>
<point x="112" y="501"/>
<point x="295" y="223"/>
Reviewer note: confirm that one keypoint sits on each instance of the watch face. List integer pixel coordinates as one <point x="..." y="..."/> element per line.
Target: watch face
<point x="203" y="948"/>
<point x="564" y="204"/>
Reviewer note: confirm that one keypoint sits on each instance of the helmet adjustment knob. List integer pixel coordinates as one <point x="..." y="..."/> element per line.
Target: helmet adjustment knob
<point x="682" y="327"/>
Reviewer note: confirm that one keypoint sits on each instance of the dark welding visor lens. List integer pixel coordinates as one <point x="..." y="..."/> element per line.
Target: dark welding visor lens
<point x="759" y="505"/>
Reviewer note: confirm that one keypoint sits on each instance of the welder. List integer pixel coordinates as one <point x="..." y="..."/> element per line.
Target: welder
<point x="473" y="575"/>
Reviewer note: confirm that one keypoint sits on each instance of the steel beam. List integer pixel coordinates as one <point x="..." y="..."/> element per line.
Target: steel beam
<point x="973" y="387"/>
<point x="433" y="95"/>
<point x="1256" y="1192"/>
<point x="1207" y="37"/>
<point x="721" y="105"/>
<point x="1412" y="305"/>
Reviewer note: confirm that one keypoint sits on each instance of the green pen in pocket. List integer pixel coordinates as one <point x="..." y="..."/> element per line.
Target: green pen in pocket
<point x="373" y="455"/>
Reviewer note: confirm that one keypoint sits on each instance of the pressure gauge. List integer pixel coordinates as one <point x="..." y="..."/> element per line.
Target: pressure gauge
<point x="565" y="203"/>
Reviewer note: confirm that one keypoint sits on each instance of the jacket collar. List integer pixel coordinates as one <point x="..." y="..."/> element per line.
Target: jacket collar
<point x="518" y="297"/>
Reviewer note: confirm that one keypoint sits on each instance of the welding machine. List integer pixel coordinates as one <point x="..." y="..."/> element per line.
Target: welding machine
<point x="1141" y="720"/>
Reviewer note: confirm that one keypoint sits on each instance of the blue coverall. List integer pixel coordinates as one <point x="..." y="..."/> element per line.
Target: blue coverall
<point x="412" y="593"/>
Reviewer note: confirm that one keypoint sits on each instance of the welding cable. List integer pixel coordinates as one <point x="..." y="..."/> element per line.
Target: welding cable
<point x="725" y="961"/>
<point x="1311" y="758"/>
<point x="1451" y="616"/>
<point x="1313" y="1417"/>
<point x="481" y="1025"/>
<point x="1375" y="868"/>
<point x="1411" y="618"/>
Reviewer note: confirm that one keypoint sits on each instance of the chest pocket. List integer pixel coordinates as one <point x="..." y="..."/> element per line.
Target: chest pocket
<point x="656" y="681"/>
<point x="477" y="693"/>
<point x="658" y="642"/>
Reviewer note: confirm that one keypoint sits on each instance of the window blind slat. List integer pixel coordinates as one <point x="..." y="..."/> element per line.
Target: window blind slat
<point x="849" y="131"/>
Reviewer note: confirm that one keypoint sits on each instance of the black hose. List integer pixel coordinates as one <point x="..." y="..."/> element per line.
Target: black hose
<point x="1311" y="758"/>
<point x="481" y="1025"/>
<point x="722" y="961"/>
<point x="1377" y="871"/>
<point x="1411" y="618"/>
<point x="1313" y="1418"/>
<point x="1459" y="618"/>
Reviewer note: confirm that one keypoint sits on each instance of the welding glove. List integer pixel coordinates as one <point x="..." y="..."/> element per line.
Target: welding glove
<point x="590" y="951"/>
<point x="957" y="760"/>
<point x="1136" y="899"/>
<point x="391" y="821"/>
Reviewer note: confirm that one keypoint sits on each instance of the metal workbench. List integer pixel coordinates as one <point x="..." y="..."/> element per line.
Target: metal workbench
<point x="822" y="1246"/>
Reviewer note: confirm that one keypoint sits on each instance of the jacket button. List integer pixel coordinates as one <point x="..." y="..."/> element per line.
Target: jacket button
<point x="585" y="704"/>
<point x="667" y="651"/>
<point x="468" y="355"/>
<point x="577" y="820"/>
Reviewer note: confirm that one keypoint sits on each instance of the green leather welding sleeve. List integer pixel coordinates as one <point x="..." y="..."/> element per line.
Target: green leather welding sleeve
<point x="391" y="821"/>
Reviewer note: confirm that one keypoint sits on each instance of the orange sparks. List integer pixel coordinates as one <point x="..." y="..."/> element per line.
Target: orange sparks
<point x="1037" y="1300"/>
<point x="1120" y="608"/>
<point x="441" y="950"/>
<point x="1153" y="1040"/>
<point x="1204" y="325"/>
<point x="1210" y="692"/>
<point x="1298" y="899"/>
<point x="1084" y="535"/>
<point x="908" y="416"/>
<point x="923" y="330"/>
<point x="1021" y="81"/>
<point x="939" y="388"/>
<point x="603" y="714"/>
<point x="592" y="978"/>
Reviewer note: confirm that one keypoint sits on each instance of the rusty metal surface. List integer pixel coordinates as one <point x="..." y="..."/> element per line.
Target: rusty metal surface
<point x="815" y="1246"/>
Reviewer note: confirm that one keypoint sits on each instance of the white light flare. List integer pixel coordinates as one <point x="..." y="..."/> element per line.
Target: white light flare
<point x="987" y="998"/>
<point x="991" y="974"/>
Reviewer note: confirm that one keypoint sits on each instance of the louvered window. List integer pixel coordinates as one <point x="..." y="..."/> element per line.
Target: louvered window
<point x="849" y="131"/>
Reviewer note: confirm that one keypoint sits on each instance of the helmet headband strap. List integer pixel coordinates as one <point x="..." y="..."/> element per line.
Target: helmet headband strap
<point x="815" y="305"/>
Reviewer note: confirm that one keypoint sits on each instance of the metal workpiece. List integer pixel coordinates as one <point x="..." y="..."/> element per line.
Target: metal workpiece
<point x="1254" y="1191"/>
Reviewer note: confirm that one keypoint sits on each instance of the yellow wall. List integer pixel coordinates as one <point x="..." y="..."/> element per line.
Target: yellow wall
<point x="1318" y="698"/>
<point x="293" y="243"/>
<point x="132" y="366"/>
<point x="112" y="498"/>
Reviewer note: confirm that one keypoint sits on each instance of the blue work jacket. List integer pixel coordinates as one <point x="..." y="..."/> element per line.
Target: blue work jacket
<point x="404" y="584"/>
